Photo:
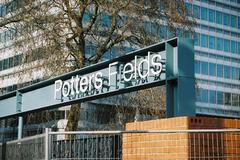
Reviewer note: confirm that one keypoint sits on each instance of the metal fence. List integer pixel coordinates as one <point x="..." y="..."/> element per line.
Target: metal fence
<point x="31" y="148"/>
<point x="85" y="145"/>
<point x="128" y="145"/>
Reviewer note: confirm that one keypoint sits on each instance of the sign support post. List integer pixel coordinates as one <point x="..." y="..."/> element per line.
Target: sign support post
<point x="180" y="81"/>
<point x="19" y="109"/>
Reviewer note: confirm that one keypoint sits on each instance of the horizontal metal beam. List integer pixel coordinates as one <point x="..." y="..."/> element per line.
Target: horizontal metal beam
<point x="40" y="96"/>
<point x="148" y="131"/>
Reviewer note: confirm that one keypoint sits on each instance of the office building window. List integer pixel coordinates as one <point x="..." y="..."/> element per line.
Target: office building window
<point x="218" y="17"/>
<point x="204" y="40"/>
<point x="203" y="13"/>
<point x="18" y="59"/>
<point x="226" y="19"/>
<point x="204" y="95"/>
<point x="198" y="95"/>
<point x="3" y="10"/>
<point x="196" y="11"/>
<point x="1" y="39"/>
<point x="211" y="15"/>
<point x="204" y="68"/>
<point x="212" y="69"/>
<point x="219" y="70"/>
<point x="226" y="72"/>
<point x="197" y="39"/>
<point x="212" y="96"/>
<point x="197" y="67"/>
<point x="219" y="44"/>
<point x="226" y="45"/>
<point x="219" y="98"/>
<point x="189" y="7"/>
<point x="105" y="20"/>
<point x="235" y="100"/>
<point x="211" y="42"/>
<point x="227" y="98"/>
<point x="238" y="47"/>
<point x="10" y="62"/>
<point x="147" y="26"/>
<point x="5" y="64"/>
<point x="1" y="65"/>
<point x="233" y="21"/>
<point x="234" y="73"/>
<point x="163" y="32"/>
<point x="233" y="47"/>
<point x="238" y="22"/>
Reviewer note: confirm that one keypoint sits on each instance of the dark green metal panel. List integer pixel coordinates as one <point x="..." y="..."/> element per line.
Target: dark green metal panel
<point x="180" y="79"/>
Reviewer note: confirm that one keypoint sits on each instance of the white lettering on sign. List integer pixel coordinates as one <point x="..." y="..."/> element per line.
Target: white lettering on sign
<point x="138" y="68"/>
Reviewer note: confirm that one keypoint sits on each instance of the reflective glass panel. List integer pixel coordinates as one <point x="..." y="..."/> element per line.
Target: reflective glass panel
<point x="220" y="70"/>
<point x="226" y="18"/>
<point x="212" y="96"/>
<point x="226" y="72"/>
<point x="233" y="21"/>
<point x="218" y="17"/>
<point x="211" y="15"/>
<point x="212" y="69"/>
<point x="233" y="47"/>
<point x="226" y="45"/>
<point x="219" y="97"/>
<point x="219" y="44"/>
<point x="203" y="13"/>
<point x="204" y="95"/>
<point x="204" y="68"/>
<point x="227" y="98"/>
<point x="211" y="42"/>
<point x="204" y="40"/>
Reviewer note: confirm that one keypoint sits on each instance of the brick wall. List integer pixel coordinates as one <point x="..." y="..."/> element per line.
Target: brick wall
<point x="166" y="146"/>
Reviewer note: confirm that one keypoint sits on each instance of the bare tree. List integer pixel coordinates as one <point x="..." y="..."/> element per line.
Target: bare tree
<point x="72" y="34"/>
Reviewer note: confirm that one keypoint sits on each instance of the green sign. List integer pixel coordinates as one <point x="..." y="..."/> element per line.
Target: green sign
<point x="170" y="62"/>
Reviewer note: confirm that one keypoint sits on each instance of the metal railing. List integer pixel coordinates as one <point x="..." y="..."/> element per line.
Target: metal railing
<point x="30" y="148"/>
<point x="127" y="145"/>
<point x="98" y="145"/>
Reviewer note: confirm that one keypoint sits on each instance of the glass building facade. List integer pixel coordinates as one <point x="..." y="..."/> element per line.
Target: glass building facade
<point x="217" y="56"/>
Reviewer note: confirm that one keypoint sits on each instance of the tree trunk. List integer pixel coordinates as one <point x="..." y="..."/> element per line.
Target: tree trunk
<point x="73" y="117"/>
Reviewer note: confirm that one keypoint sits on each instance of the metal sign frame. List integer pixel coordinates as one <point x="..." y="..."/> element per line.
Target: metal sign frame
<point x="179" y="80"/>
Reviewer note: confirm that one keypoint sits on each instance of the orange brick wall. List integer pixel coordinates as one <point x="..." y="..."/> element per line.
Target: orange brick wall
<point x="166" y="146"/>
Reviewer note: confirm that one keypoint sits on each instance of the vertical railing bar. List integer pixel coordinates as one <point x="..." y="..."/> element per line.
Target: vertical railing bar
<point x="91" y="143"/>
<point x="213" y="152"/>
<point x="218" y="148"/>
<point x="204" y="152"/>
<point x="87" y="145"/>
<point x="236" y="142"/>
<point x="232" y="148"/>
<point x="83" y="146"/>
<point x="70" y="146"/>
<point x="46" y="144"/>
<point x="222" y="142"/>
<point x="118" y="148"/>
<point x="114" y="147"/>
<point x="51" y="147"/>
<point x="194" y="146"/>
<point x="190" y="145"/>
<point x="208" y="146"/>
<point x="96" y="151"/>
<point x="199" y="145"/>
